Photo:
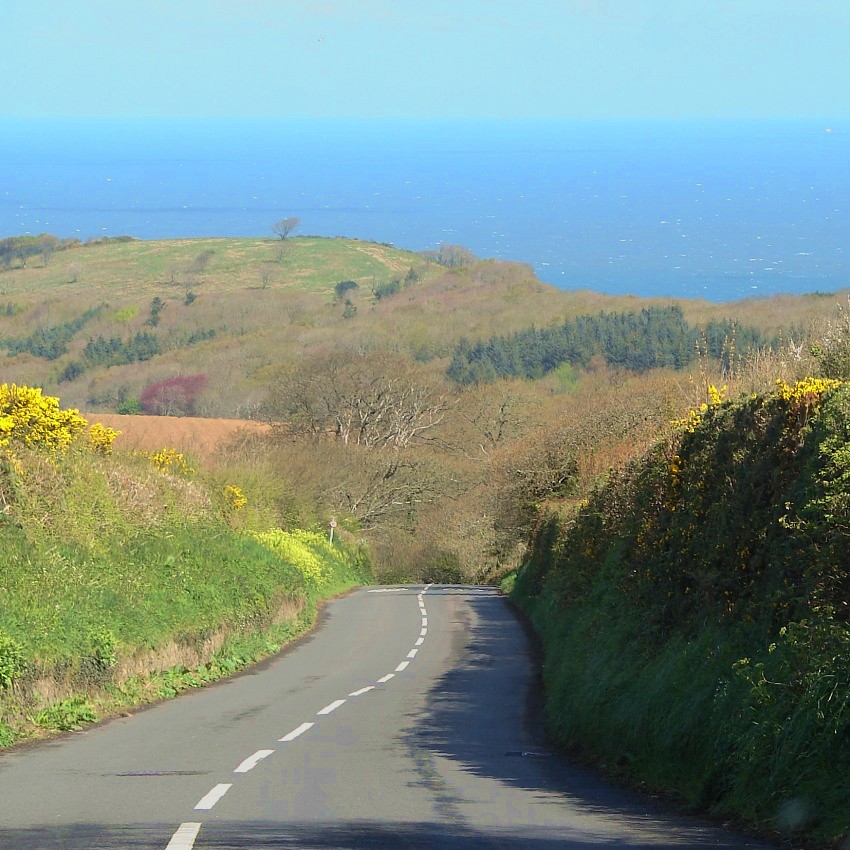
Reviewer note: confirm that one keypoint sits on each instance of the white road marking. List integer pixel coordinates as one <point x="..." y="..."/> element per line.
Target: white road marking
<point x="412" y="653"/>
<point x="296" y="732"/>
<point x="332" y="707"/>
<point x="424" y="622"/>
<point x="419" y="641"/>
<point x="184" y="838"/>
<point x="362" y="691"/>
<point x="386" y="678"/>
<point x="252" y="761"/>
<point x="402" y="666"/>
<point x="207" y="802"/>
<point x="386" y="590"/>
<point x="423" y="632"/>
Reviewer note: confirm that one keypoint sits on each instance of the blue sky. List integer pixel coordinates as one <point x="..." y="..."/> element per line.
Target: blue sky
<point x="427" y="58"/>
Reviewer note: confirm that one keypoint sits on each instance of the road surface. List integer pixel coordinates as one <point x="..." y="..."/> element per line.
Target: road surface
<point x="406" y="720"/>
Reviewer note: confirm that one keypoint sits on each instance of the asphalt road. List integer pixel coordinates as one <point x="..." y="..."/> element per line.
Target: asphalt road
<point x="407" y="720"/>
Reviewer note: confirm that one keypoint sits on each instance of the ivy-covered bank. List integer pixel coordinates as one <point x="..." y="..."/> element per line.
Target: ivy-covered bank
<point x="128" y="578"/>
<point x="695" y="613"/>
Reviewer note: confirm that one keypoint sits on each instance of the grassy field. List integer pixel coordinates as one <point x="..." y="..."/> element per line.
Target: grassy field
<point x="120" y="271"/>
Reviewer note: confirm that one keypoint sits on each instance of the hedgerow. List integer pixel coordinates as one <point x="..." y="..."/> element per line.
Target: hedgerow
<point x="695" y="611"/>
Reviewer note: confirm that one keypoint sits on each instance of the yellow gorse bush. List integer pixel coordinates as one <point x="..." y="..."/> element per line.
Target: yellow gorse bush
<point x="169" y="460"/>
<point x="236" y="499"/>
<point x="101" y="438"/>
<point x="806" y="392"/>
<point x="36" y="420"/>
<point x="716" y="397"/>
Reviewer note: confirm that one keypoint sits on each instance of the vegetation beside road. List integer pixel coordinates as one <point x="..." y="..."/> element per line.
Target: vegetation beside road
<point x="129" y="577"/>
<point x="694" y="612"/>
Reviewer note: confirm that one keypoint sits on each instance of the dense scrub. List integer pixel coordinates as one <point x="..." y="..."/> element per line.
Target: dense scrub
<point x="695" y="612"/>
<point x="127" y="578"/>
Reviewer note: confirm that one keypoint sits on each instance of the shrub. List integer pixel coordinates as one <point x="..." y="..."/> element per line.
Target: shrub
<point x="174" y="396"/>
<point x="297" y="549"/>
<point x="28" y="417"/>
<point x="12" y="661"/>
<point x="67" y="716"/>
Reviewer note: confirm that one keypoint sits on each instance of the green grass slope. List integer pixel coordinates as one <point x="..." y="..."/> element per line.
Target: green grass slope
<point x="127" y="578"/>
<point x="695" y="613"/>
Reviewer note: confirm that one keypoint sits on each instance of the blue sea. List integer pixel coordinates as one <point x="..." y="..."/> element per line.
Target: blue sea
<point x="716" y="210"/>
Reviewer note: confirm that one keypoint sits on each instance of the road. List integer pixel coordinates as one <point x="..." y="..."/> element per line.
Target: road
<point x="406" y="720"/>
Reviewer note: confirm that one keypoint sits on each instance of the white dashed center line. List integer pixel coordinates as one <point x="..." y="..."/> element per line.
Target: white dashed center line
<point x="291" y="736"/>
<point x="184" y="838"/>
<point x="386" y="678"/>
<point x="252" y="761"/>
<point x="412" y="653"/>
<point x="207" y="802"/>
<point x="424" y="622"/>
<point x="419" y="641"/>
<point x="423" y="632"/>
<point x="362" y="691"/>
<point x="332" y="707"/>
<point x="402" y="666"/>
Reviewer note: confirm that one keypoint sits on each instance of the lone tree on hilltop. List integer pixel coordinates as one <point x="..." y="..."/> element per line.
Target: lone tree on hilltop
<point x="285" y="226"/>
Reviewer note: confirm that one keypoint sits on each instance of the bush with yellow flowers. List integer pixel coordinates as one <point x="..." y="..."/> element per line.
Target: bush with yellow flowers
<point x="36" y="420"/>
<point x="30" y="418"/>
<point x="696" y="612"/>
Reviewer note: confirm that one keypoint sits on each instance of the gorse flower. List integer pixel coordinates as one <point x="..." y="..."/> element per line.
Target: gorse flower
<point x="101" y="438"/>
<point x="169" y="460"/>
<point x="716" y="397"/>
<point x="36" y="420"/>
<point x="236" y="499"/>
<point x="806" y="392"/>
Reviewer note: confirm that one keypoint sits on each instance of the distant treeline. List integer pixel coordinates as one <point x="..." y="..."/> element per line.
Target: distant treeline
<point x="654" y="337"/>
<point x="16" y="250"/>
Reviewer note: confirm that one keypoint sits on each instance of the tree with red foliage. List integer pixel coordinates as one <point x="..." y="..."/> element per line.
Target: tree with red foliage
<point x="174" y="396"/>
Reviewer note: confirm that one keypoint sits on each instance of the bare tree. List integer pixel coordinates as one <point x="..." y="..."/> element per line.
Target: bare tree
<point x="285" y="226"/>
<point x="370" y="400"/>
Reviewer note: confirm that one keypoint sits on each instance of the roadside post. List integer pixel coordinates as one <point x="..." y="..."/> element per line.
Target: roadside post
<point x="331" y="535"/>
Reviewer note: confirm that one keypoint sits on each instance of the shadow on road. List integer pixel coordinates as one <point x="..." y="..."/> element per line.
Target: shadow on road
<point x="358" y="835"/>
<point x="485" y="715"/>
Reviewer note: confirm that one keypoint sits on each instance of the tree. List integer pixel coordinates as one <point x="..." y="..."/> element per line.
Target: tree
<point x="157" y="306"/>
<point x="369" y="400"/>
<point x="174" y="396"/>
<point x="285" y="226"/>
<point x="343" y="287"/>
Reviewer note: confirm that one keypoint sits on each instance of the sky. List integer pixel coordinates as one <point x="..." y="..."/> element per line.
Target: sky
<point x="584" y="59"/>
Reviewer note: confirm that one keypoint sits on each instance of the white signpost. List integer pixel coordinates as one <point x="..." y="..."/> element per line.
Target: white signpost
<point x="331" y="535"/>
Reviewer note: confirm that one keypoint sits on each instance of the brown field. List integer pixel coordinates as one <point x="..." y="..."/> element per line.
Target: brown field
<point x="192" y="435"/>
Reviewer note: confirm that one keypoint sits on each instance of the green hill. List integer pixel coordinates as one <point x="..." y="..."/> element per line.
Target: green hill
<point x="98" y="322"/>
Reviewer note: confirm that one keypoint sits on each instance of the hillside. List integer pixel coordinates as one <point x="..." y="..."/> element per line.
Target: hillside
<point x="99" y="322"/>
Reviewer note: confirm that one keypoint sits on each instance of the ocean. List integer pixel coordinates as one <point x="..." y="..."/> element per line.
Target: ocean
<point x="717" y="210"/>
